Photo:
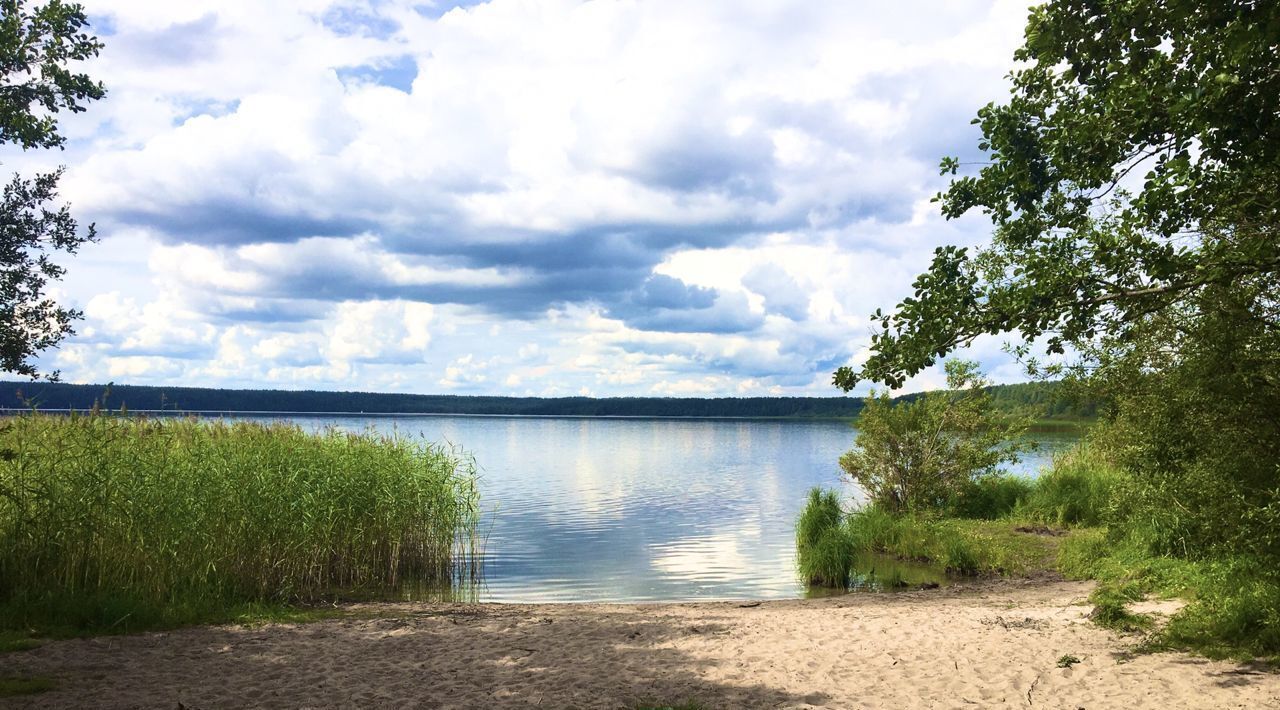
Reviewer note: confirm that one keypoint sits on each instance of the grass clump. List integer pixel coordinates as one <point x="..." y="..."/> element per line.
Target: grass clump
<point x="12" y="641"/>
<point x="1111" y="609"/>
<point x="823" y="553"/>
<point x="1233" y="604"/>
<point x="114" y="523"/>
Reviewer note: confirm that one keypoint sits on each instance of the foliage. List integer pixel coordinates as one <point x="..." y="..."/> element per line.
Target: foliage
<point x="958" y="547"/>
<point x="1134" y="186"/>
<point x="1197" y="423"/>
<point x="1185" y="95"/>
<point x="1044" y="400"/>
<point x="1233" y="597"/>
<point x="113" y="522"/>
<point x="37" y="44"/>
<point x="29" y="321"/>
<point x="918" y="455"/>
<point x="964" y="547"/>
<point x="1233" y="603"/>
<point x="1111" y="607"/>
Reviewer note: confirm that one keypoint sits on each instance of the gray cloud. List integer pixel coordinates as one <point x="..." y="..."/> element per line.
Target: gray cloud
<point x="727" y="313"/>
<point x="661" y="291"/>
<point x="179" y="43"/>
<point x="781" y="293"/>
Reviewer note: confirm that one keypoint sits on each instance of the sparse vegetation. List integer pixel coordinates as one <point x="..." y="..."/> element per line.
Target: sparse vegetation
<point x="1075" y="519"/>
<point x="10" y="687"/>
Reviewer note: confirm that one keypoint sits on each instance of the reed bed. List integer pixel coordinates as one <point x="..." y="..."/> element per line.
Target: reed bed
<point x="118" y="520"/>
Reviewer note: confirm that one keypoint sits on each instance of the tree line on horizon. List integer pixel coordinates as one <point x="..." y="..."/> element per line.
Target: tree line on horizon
<point x="1036" y="398"/>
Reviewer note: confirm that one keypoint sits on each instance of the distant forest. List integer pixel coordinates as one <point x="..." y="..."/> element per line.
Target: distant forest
<point x="1037" y="398"/>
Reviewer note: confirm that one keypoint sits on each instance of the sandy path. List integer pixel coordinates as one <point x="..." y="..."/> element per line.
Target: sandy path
<point x="990" y="646"/>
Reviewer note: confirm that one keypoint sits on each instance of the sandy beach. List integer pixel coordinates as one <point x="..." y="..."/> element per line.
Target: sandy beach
<point x="990" y="645"/>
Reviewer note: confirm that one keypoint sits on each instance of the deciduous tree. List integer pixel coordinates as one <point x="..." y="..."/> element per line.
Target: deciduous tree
<point x="1136" y="164"/>
<point x="38" y="44"/>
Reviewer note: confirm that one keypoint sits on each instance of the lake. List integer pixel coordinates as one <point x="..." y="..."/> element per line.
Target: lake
<point x="596" y="509"/>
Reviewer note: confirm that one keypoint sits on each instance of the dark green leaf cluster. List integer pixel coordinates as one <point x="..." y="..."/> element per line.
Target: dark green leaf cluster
<point x="30" y="321"/>
<point x="36" y="45"/>
<point x="1136" y="163"/>
<point x="1197" y="422"/>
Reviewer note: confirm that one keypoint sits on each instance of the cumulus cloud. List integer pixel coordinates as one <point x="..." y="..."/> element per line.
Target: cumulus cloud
<point x="514" y="197"/>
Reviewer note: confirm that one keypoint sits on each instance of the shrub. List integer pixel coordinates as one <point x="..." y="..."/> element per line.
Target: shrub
<point x="917" y="455"/>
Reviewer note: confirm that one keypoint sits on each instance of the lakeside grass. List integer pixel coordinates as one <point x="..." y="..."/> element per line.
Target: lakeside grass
<point x="1064" y="522"/>
<point x="117" y="523"/>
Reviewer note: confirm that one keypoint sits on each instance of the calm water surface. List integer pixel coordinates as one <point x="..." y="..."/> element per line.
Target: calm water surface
<point x="642" y="509"/>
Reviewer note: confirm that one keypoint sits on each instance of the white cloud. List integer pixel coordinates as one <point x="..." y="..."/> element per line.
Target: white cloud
<point x="488" y="219"/>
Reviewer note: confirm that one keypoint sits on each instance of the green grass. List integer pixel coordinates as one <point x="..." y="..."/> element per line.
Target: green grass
<point x="10" y="687"/>
<point x="830" y="543"/>
<point x="114" y="523"/>
<point x="823" y="553"/>
<point x="1233" y="601"/>
<point x="991" y="497"/>
<point x="1233" y="604"/>
<point x="13" y="641"/>
<point x="961" y="546"/>
<point x="1078" y="489"/>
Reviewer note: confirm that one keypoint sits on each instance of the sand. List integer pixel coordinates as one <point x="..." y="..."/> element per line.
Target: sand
<point x="988" y="646"/>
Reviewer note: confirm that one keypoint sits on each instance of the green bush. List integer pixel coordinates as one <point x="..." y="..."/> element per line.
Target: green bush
<point x="122" y="522"/>
<point x="916" y="455"/>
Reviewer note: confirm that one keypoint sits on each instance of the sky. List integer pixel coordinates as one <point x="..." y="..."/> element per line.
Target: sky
<point x="515" y="197"/>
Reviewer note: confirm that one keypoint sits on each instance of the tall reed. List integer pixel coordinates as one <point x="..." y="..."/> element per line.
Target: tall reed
<point x="104" y="515"/>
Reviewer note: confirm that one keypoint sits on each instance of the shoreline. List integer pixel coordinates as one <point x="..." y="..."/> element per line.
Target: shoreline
<point x="991" y="644"/>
